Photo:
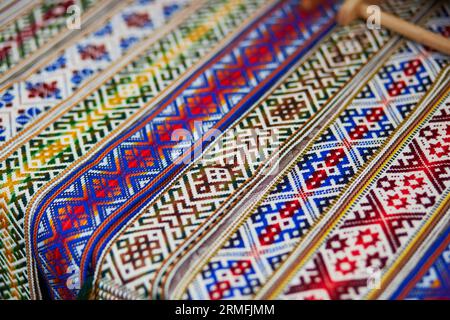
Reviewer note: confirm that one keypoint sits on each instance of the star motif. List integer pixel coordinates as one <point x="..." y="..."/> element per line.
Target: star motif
<point x="345" y="265"/>
<point x="366" y="238"/>
<point x="336" y="244"/>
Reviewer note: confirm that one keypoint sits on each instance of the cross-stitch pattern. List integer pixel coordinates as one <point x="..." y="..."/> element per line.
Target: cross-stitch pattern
<point x="224" y="149"/>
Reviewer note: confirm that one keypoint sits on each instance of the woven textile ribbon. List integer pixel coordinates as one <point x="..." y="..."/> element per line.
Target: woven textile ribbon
<point x="69" y="70"/>
<point x="36" y="29"/>
<point x="105" y="190"/>
<point x="429" y="279"/>
<point x="239" y="261"/>
<point x="222" y="149"/>
<point x="64" y="135"/>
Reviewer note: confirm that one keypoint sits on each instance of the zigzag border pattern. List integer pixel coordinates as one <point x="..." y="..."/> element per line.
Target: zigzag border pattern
<point x="134" y="257"/>
<point x="72" y="135"/>
<point x="81" y="205"/>
<point x="252" y="253"/>
<point x="430" y="279"/>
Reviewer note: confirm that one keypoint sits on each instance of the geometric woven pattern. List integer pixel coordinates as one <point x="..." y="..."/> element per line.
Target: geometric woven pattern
<point x="222" y="149"/>
<point x="435" y="284"/>
<point x="251" y="254"/>
<point x="430" y="279"/>
<point x="48" y="152"/>
<point x="410" y="190"/>
<point x="27" y="99"/>
<point x="122" y="174"/>
<point x="225" y="170"/>
<point x="34" y="29"/>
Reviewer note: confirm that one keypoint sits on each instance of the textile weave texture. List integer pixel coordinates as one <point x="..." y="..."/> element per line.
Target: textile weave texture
<point x="222" y="149"/>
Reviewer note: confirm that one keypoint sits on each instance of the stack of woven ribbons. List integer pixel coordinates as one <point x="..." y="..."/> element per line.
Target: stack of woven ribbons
<point x="218" y="149"/>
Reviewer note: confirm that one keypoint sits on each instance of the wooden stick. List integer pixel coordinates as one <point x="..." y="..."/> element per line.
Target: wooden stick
<point x="353" y="9"/>
<point x="308" y="4"/>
